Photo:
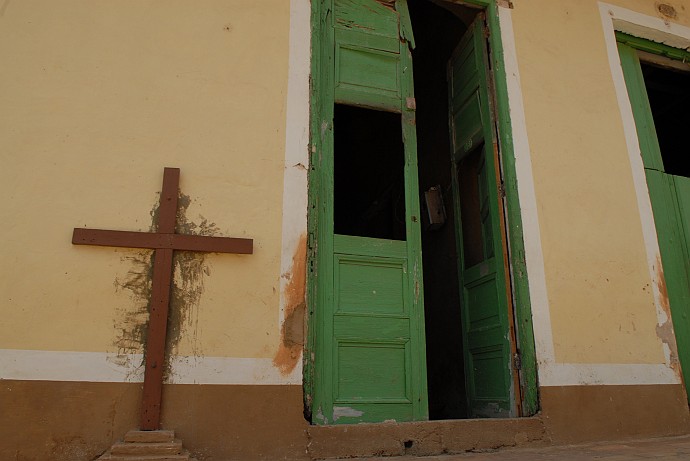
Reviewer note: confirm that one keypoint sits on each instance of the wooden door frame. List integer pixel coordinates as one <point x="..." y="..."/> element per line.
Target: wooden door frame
<point x="321" y="86"/>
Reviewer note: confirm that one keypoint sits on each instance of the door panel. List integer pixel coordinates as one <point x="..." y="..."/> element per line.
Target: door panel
<point x="370" y="355"/>
<point x="487" y="327"/>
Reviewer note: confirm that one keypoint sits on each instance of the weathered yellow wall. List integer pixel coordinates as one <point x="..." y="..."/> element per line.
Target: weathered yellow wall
<point x="650" y="8"/>
<point x="96" y="98"/>
<point x="100" y="97"/>
<point x="597" y="276"/>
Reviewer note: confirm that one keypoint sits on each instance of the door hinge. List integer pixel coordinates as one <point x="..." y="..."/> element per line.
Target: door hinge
<point x="487" y="32"/>
<point x="517" y="361"/>
<point x="502" y="189"/>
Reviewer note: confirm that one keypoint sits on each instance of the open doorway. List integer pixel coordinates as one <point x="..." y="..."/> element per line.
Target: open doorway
<point x="470" y="340"/>
<point x="410" y="321"/>
<point x="438" y="32"/>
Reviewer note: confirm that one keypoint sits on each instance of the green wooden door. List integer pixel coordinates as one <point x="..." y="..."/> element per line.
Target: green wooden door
<point x="369" y="362"/>
<point x="681" y="186"/>
<point x="487" y="324"/>
<point x="669" y="195"/>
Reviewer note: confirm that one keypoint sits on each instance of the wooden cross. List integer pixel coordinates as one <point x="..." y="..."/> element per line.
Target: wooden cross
<point x="164" y="242"/>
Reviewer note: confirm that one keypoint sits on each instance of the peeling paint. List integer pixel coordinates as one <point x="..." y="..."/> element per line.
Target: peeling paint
<point x="319" y="417"/>
<point x="340" y="412"/>
<point x="664" y="329"/>
<point x="292" y="329"/>
<point x="661" y="285"/>
<point x="666" y="10"/>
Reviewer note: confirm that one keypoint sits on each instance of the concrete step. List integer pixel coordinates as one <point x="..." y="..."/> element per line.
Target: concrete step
<point x="424" y="438"/>
<point x="184" y="456"/>
<point x="149" y="436"/>
<point x="173" y="447"/>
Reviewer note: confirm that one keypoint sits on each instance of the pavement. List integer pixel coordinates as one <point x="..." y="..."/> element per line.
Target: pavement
<point x="667" y="448"/>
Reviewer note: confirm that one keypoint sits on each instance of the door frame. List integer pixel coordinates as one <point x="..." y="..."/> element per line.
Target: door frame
<point x="321" y="83"/>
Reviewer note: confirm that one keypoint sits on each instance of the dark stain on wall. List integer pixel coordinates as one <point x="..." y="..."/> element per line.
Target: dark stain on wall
<point x="664" y="331"/>
<point x="190" y="268"/>
<point x="189" y="271"/>
<point x="130" y="322"/>
<point x="292" y="329"/>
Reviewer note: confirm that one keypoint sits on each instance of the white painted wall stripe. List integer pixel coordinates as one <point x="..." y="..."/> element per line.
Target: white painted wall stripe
<point x="569" y="374"/>
<point x="70" y="366"/>
<point x="102" y="367"/>
<point x="33" y="365"/>
<point x="295" y="181"/>
<point x="227" y="370"/>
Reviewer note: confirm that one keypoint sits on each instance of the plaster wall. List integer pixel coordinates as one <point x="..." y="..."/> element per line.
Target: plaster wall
<point x="99" y="97"/>
<point x="601" y="298"/>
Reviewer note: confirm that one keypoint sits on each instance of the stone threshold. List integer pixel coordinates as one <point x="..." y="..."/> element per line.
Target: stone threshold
<point x="424" y="438"/>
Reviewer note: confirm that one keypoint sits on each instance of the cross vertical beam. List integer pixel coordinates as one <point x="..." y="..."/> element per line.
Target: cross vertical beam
<point x="160" y="300"/>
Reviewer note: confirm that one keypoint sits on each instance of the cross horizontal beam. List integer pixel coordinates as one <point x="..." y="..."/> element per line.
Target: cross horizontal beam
<point x="150" y="240"/>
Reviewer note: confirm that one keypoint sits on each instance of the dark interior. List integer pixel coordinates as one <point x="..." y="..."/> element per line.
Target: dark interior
<point x="369" y="191"/>
<point x="437" y="32"/>
<point x="669" y="96"/>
